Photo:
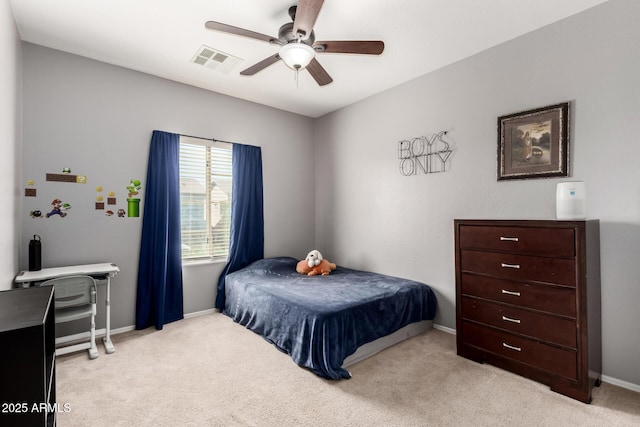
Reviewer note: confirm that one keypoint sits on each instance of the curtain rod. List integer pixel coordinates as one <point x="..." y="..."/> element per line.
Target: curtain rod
<point x="207" y="139"/>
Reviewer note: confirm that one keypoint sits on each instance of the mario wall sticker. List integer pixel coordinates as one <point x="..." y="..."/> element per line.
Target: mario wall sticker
<point x="111" y="200"/>
<point x="133" y="203"/>
<point x="30" y="192"/>
<point x="66" y="176"/>
<point x="58" y="208"/>
<point x="104" y="200"/>
<point x="134" y="187"/>
<point x="99" y="199"/>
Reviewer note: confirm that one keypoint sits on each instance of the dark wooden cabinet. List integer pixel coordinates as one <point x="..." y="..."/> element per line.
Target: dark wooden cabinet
<point x="27" y="357"/>
<point x="528" y="299"/>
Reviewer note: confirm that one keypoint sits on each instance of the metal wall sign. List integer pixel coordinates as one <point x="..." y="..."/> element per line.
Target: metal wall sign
<point x="422" y="155"/>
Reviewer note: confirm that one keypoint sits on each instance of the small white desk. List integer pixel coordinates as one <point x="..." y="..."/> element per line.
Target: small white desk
<point x="98" y="271"/>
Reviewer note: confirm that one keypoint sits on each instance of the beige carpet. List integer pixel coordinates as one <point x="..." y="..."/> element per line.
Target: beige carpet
<point x="209" y="371"/>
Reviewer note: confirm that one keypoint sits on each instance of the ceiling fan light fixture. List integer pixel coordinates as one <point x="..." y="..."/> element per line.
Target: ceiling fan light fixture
<point x="297" y="55"/>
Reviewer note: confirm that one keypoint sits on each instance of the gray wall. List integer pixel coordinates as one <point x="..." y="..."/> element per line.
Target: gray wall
<point x="10" y="144"/>
<point x="371" y="217"/>
<point x="97" y="119"/>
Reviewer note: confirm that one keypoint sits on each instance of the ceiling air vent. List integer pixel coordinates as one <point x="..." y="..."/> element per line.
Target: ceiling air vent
<point x="215" y="59"/>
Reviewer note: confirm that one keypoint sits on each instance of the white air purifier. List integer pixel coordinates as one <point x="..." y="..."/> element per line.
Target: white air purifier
<point x="571" y="200"/>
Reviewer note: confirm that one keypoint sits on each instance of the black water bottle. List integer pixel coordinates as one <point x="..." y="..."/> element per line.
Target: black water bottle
<point x="35" y="253"/>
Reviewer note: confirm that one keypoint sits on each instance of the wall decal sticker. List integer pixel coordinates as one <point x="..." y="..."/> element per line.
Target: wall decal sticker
<point x="111" y="200"/>
<point x="30" y="192"/>
<point x="59" y="208"/>
<point x="65" y="177"/>
<point x="133" y="202"/>
<point x="99" y="199"/>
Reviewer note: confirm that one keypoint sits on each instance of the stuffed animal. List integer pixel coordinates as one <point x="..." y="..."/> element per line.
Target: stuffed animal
<point x="315" y="264"/>
<point x="324" y="268"/>
<point x="313" y="258"/>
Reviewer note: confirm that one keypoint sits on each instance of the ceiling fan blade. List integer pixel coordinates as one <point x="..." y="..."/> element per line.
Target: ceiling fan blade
<point x="261" y="65"/>
<point x="225" y="28"/>
<point x="306" y="15"/>
<point x="318" y="73"/>
<point x="363" y="47"/>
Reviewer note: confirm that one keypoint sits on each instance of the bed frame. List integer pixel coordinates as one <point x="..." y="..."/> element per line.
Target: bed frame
<point x="367" y="350"/>
<point x="313" y="312"/>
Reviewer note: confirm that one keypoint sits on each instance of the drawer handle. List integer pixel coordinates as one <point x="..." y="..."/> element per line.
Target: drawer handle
<point x="511" y="347"/>
<point x="515" y="294"/>
<point x="510" y="265"/>
<point x="508" y="239"/>
<point x="509" y="319"/>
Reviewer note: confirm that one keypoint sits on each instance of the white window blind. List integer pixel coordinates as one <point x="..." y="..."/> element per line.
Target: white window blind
<point x="205" y="198"/>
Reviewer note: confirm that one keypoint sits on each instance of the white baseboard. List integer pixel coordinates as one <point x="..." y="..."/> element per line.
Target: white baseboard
<point x="201" y="313"/>
<point x="620" y="383"/>
<point x="444" y="329"/>
<point x="120" y="330"/>
<point x="605" y="378"/>
<point x="85" y="335"/>
<point x="102" y="332"/>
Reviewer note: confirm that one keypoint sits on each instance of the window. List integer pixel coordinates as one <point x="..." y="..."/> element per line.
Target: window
<point x="205" y="198"/>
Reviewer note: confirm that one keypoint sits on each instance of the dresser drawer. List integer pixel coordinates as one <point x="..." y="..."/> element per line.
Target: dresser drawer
<point x="551" y="299"/>
<point x="520" y="267"/>
<point x="525" y="303"/>
<point x="542" y="356"/>
<point x="536" y="325"/>
<point x="556" y="242"/>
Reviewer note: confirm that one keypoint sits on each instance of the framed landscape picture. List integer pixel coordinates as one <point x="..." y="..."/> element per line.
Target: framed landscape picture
<point x="534" y="143"/>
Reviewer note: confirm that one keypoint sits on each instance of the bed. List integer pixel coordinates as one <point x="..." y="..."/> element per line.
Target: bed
<point x="326" y="323"/>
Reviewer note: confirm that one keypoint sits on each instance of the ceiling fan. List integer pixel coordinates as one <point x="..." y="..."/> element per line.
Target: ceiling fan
<point x="297" y="42"/>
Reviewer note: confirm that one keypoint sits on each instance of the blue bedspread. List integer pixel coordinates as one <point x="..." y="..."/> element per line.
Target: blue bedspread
<point x="321" y="320"/>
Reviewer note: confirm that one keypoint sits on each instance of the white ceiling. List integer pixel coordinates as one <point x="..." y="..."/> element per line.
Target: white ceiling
<point x="161" y="37"/>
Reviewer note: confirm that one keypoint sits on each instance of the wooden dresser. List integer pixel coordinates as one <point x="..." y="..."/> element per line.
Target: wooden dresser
<point x="528" y="299"/>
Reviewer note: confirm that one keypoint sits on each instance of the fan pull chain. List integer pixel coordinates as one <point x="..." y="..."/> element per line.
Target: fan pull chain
<point x="296" y="77"/>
